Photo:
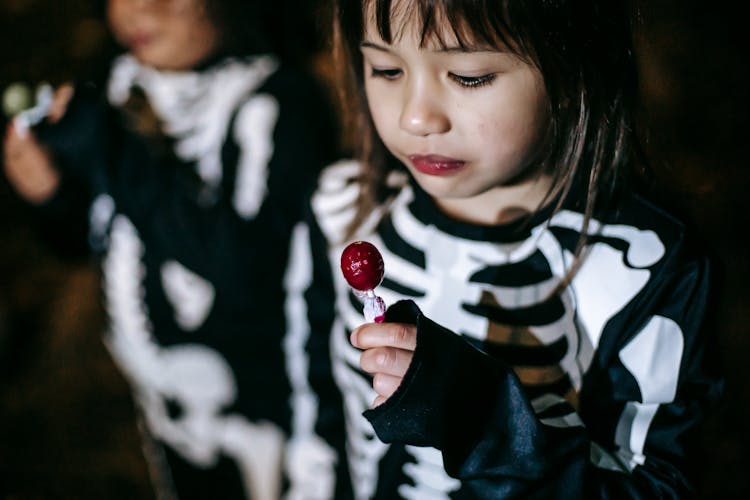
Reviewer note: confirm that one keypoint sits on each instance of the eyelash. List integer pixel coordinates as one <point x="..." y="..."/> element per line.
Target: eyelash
<point x="468" y="82"/>
<point x="472" y="82"/>
<point x="388" y="74"/>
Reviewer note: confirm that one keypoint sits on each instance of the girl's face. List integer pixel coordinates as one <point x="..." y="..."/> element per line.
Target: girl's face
<point x="164" y="34"/>
<point x="467" y="123"/>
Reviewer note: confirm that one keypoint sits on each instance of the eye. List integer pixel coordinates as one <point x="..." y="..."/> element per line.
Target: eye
<point x="387" y="73"/>
<point x="472" y="82"/>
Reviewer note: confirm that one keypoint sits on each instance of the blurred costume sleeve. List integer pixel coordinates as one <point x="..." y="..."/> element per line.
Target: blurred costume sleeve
<point x="316" y="461"/>
<point x="77" y="145"/>
<point x="311" y="314"/>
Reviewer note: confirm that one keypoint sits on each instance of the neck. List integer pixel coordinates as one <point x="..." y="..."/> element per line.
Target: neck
<point x="500" y="205"/>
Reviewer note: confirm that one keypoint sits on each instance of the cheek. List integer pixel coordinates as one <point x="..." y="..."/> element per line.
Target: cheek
<point x="512" y="130"/>
<point x="491" y="135"/>
<point x="486" y="131"/>
<point x="188" y="43"/>
<point x="501" y="145"/>
<point x="382" y="110"/>
<point x="116" y="19"/>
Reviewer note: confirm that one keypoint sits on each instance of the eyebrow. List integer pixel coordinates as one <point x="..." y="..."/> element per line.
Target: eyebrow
<point x="456" y="49"/>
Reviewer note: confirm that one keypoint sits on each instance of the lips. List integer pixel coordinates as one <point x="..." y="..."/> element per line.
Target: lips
<point x="140" y="40"/>
<point x="436" y="164"/>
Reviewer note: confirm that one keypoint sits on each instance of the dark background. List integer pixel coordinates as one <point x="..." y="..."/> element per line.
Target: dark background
<point x="66" y="419"/>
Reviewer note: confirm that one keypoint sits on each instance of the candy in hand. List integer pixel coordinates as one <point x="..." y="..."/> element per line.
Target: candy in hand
<point x="16" y="101"/>
<point x="362" y="266"/>
<point x="16" y="97"/>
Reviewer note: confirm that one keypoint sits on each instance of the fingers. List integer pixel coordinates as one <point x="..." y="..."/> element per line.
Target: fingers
<point x="378" y="401"/>
<point x="28" y="166"/>
<point x="17" y="147"/>
<point x="385" y="385"/>
<point x="386" y="360"/>
<point x="399" y="335"/>
<point x="63" y="95"/>
<point x="388" y="349"/>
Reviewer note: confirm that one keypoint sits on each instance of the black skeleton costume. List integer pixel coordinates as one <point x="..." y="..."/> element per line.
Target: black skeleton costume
<point x="588" y="394"/>
<point x="194" y="238"/>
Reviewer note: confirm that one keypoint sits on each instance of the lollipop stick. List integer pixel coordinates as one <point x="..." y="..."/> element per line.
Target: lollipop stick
<point x="374" y="309"/>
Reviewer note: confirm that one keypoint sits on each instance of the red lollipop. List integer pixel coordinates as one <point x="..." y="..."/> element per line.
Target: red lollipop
<point x="362" y="266"/>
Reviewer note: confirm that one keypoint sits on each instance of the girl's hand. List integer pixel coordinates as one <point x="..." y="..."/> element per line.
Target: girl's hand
<point x="388" y="351"/>
<point x="27" y="165"/>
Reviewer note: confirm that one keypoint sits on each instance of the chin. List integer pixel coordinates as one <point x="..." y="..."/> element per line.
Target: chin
<point x="442" y="192"/>
<point x="147" y="59"/>
<point x="440" y="187"/>
<point x="155" y="59"/>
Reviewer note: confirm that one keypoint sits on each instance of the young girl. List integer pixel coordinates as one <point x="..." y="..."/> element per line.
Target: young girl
<point x="193" y="160"/>
<point x="544" y="332"/>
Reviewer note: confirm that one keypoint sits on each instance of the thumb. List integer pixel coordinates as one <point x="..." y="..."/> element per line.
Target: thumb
<point x="63" y="95"/>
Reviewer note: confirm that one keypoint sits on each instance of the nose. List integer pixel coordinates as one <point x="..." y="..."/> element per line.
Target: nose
<point x="423" y="113"/>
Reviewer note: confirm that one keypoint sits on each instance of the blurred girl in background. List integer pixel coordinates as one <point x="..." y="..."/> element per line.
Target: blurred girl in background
<point x="185" y="169"/>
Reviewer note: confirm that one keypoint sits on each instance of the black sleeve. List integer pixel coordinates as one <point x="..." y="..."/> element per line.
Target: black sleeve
<point x="78" y="141"/>
<point x="473" y="408"/>
<point x="62" y="222"/>
<point x="304" y="139"/>
<point x="77" y="144"/>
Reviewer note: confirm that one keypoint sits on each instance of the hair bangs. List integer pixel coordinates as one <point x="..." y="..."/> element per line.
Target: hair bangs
<point x="470" y="25"/>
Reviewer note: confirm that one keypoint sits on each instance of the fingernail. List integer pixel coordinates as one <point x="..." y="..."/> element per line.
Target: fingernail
<point x="353" y="337"/>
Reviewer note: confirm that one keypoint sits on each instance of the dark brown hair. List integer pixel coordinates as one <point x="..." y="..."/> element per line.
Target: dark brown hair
<point x="582" y="48"/>
<point x="287" y="28"/>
